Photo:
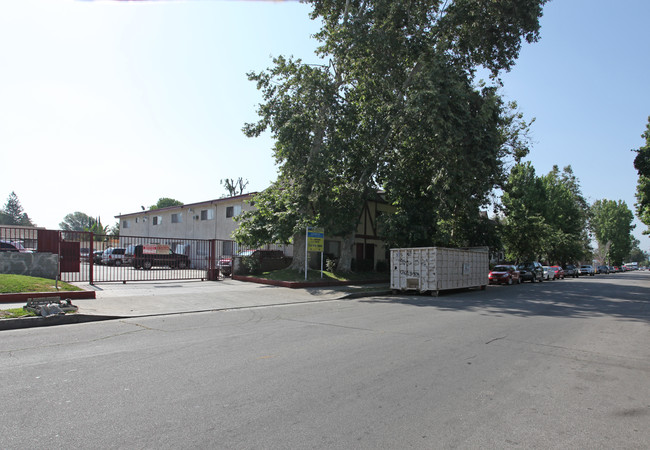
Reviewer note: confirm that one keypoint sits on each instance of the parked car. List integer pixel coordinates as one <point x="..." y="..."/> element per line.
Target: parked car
<point x="558" y="272"/>
<point x="84" y="254"/>
<point x="113" y="256"/>
<point x="225" y="263"/>
<point x="586" y="269"/>
<point x="149" y="255"/>
<point x="549" y="273"/>
<point x="12" y="246"/>
<point x="531" y="271"/>
<point x="602" y="269"/>
<point x="6" y="246"/>
<point x="571" y="271"/>
<point x="504" y="274"/>
<point x="97" y="256"/>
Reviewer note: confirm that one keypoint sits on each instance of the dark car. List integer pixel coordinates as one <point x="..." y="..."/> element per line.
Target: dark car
<point x="225" y="262"/>
<point x="571" y="271"/>
<point x="84" y="254"/>
<point x="531" y="271"/>
<point x="97" y="256"/>
<point x="149" y="255"/>
<point x="504" y="274"/>
<point x="602" y="269"/>
<point x="8" y="246"/>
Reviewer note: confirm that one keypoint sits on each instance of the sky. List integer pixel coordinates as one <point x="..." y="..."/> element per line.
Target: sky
<point x="108" y="106"/>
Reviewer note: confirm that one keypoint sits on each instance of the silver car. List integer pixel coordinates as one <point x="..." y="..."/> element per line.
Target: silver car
<point x="586" y="270"/>
<point x="113" y="256"/>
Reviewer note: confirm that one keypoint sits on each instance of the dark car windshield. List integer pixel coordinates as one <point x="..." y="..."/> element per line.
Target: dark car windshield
<point x="501" y="268"/>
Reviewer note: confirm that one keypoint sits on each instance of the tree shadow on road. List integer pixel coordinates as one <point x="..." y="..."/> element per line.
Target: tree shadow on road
<point x="586" y="297"/>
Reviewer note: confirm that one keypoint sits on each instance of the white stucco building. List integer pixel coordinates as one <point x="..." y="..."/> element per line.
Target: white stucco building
<point x="216" y="219"/>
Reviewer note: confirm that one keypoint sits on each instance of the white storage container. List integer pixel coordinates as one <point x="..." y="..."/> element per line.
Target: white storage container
<point x="434" y="269"/>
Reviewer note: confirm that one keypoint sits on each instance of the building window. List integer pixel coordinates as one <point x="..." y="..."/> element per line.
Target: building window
<point x="157" y="220"/>
<point x="136" y="220"/>
<point x="177" y="218"/>
<point x="233" y="211"/>
<point x="207" y="214"/>
<point x="125" y="224"/>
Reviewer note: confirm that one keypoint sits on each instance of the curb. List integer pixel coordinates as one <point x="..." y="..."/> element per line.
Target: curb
<point x="31" y="322"/>
<point x="23" y="297"/>
<point x="303" y="284"/>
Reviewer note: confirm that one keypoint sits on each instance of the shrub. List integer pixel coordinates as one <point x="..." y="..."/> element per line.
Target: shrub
<point x="251" y="265"/>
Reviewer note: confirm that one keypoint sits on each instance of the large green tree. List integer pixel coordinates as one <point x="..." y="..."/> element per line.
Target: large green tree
<point x="79" y="221"/>
<point x="567" y="213"/>
<point x="642" y="165"/>
<point x="611" y="223"/>
<point x="165" y="202"/>
<point x="13" y="213"/>
<point x="396" y="76"/>
<point x="637" y="255"/>
<point x="525" y="231"/>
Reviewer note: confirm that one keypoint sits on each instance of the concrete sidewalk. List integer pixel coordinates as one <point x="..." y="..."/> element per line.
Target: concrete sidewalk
<point x="177" y="297"/>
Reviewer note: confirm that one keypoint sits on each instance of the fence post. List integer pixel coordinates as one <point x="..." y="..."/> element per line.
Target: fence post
<point x="91" y="251"/>
<point x="212" y="266"/>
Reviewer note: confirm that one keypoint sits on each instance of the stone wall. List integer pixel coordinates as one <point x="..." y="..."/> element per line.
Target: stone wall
<point x="42" y="265"/>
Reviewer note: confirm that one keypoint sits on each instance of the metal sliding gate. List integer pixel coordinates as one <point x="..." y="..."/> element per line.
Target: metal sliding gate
<point x="94" y="258"/>
<point x="103" y="258"/>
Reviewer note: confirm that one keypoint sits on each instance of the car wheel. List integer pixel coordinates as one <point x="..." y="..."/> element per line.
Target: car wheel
<point x="518" y="280"/>
<point x="146" y="265"/>
<point x="509" y="281"/>
<point x="118" y="262"/>
<point x="182" y="264"/>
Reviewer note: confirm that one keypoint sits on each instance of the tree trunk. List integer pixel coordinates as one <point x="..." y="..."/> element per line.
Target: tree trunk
<point x="347" y="247"/>
<point x="298" y="262"/>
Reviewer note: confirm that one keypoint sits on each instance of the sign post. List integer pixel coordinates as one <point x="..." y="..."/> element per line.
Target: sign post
<point x="315" y="242"/>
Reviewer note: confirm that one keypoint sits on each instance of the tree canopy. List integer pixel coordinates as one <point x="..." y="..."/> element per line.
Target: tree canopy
<point x="567" y="214"/>
<point x="13" y="213"/>
<point x="642" y="165"/>
<point x="545" y="217"/>
<point x="611" y="222"/>
<point x="165" y="202"/>
<point x="79" y="221"/>
<point x="393" y="106"/>
<point x="525" y="230"/>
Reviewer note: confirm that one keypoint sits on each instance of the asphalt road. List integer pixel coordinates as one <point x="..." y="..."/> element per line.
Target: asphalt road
<point x="562" y="364"/>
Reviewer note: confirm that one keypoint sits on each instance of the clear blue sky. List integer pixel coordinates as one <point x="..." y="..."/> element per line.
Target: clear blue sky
<point x="107" y="106"/>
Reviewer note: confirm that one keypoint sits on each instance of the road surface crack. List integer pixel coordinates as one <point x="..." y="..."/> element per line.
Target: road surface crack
<point x="496" y="339"/>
